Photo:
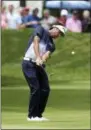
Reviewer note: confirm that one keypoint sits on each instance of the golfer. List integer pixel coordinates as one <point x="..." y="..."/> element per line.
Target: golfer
<point x="40" y="47"/>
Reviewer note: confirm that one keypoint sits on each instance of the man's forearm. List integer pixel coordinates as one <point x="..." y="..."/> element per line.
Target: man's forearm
<point x="36" y="50"/>
<point x="36" y="46"/>
<point x="31" y="23"/>
<point x="46" y="56"/>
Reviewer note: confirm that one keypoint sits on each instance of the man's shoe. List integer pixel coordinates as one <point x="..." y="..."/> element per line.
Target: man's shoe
<point x="34" y="119"/>
<point x="44" y="119"/>
<point x="29" y="119"/>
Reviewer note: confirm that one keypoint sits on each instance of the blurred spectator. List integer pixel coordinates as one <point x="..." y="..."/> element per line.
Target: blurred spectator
<point x="63" y="17"/>
<point x="86" y="22"/>
<point x="34" y="17"/>
<point x="21" y="12"/>
<point x="25" y="13"/>
<point x="4" y="24"/>
<point x="30" y="20"/>
<point x="48" y="20"/>
<point x="14" y="20"/>
<point x="73" y="24"/>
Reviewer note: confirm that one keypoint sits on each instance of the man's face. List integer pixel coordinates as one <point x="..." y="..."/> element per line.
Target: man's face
<point x="26" y="12"/>
<point x="3" y="9"/>
<point x="64" y="17"/>
<point x="54" y="32"/>
<point x="36" y="12"/>
<point x="11" y="8"/>
<point x="46" y="15"/>
<point x="75" y="16"/>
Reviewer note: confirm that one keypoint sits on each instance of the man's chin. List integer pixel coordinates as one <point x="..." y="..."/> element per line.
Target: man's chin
<point x="53" y="36"/>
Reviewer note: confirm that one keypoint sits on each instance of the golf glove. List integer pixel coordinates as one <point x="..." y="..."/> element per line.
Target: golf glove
<point x="39" y="61"/>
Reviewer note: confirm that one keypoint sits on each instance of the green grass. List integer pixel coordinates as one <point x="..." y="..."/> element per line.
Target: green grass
<point x="64" y="120"/>
<point x="69" y="75"/>
<point x="66" y="108"/>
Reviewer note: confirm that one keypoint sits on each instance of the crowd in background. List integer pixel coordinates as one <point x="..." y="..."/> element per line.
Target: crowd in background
<point x="27" y="19"/>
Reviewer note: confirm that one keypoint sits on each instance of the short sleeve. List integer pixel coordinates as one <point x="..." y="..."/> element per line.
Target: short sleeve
<point x="39" y="31"/>
<point x="29" y="18"/>
<point x="18" y="20"/>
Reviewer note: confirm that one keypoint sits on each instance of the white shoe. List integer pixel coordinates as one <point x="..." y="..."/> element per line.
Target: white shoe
<point x="44" y="119"/>
<point x="34" y="119"/>
<point x="29" y="119"/>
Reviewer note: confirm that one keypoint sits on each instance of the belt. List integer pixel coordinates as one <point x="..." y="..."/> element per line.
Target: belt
<point x="28" y="59"/>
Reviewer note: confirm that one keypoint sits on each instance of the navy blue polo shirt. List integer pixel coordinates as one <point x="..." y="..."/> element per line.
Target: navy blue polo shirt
<point x="33" y="18"/>
<point x="46" y="43"/>
<point x="25" y="19"/>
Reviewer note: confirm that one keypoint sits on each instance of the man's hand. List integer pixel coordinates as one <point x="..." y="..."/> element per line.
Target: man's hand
<point x="39" y="61"/>
<point x="44" y="58"/>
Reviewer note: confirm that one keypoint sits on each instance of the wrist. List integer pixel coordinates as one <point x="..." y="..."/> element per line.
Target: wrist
<point x="44" y="58"/>
<point x="39" y="60"/>
<point x="38" y="57"/>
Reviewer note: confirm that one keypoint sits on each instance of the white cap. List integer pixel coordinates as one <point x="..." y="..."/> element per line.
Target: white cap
<point x="61" y="28"/>
<point x="46" y="11"/>
<point x="86" y="14"/>
<point x="64" y="12"/>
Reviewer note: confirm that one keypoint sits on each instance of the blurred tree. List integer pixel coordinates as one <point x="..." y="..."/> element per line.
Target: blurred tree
<point x="22" y="3"/>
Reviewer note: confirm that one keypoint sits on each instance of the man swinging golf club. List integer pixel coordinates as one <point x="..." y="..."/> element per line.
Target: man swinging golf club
<point x="39" y="49"/>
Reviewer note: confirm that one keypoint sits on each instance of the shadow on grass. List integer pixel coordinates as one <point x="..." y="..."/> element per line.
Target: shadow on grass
<point x="65" y="99"/>
<point x="13" y="81"/>
<point x="61" y="82"/>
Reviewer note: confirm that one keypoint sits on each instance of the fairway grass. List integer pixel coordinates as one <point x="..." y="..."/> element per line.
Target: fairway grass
<point x="58" y="119"/>
<point x="67" y="108"/>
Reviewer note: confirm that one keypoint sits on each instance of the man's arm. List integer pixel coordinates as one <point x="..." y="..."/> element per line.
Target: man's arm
<point x="46" y="56"/>
<point x="31" y="23"/>
<point x="36" y="46"/>
<point x="24" y="25"/>
<point x="36" y="50"/>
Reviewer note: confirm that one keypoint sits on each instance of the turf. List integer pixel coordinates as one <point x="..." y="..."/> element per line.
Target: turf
<point x="69" y="75"/>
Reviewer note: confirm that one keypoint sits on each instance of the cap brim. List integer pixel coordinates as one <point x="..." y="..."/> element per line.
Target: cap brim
<point x="61" y="33"/>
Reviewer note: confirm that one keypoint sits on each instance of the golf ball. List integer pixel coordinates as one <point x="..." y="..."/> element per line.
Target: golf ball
<point x="73" y="52"/>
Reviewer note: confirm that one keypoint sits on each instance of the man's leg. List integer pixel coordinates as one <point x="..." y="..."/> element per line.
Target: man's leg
<point x="44" y="90"/>
<point x="34" y="99"/>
